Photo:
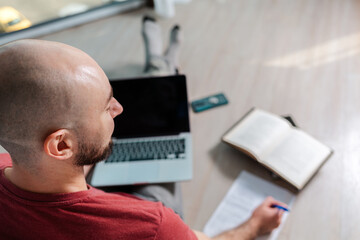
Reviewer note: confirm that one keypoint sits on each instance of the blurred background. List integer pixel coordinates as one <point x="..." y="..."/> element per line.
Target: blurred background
<point x="19" y="14"/>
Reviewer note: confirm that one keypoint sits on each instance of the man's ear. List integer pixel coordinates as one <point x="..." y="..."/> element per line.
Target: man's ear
<point x="59" y="145"/>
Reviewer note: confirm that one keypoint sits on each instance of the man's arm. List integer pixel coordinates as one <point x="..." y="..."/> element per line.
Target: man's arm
<point x="263" y="220"/>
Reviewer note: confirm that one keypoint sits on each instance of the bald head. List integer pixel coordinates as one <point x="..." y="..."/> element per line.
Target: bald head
<point x="39" y="92"/>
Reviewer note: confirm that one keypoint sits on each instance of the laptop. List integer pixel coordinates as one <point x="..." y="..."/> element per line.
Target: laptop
<point x="151" y="139"/>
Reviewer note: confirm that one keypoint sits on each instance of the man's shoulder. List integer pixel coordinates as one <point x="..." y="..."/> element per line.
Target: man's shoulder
<point x="126" y="205"/>
<point x="139" y="216"/>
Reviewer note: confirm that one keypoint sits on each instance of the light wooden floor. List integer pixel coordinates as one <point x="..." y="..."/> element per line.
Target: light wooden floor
<point x="299" y="57"/>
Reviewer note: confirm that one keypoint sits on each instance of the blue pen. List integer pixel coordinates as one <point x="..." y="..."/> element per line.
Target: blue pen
<point x="280" y="207"/>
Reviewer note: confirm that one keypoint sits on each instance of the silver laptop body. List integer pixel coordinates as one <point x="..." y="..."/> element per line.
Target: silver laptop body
<point x="152" y="139"/>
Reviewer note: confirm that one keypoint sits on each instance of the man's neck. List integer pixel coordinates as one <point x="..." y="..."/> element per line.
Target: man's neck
<point x="49" y="181"/>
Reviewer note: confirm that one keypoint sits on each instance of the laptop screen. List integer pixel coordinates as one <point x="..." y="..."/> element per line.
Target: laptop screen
<point x="153" y="106"/>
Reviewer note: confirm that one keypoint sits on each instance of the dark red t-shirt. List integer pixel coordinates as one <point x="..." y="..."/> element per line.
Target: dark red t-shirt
<point x="91" y="214"/>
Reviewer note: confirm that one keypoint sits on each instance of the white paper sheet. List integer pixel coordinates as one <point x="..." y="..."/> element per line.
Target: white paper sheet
<point x="247" y="192"/>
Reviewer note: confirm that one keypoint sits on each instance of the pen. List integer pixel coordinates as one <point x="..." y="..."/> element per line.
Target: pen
<point x="280" y="207"/>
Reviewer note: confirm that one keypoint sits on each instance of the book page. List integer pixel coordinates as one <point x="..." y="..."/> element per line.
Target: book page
<point x="247" y="192"/>
<point x="257" y="132"/>
<point x="297" y="157"/>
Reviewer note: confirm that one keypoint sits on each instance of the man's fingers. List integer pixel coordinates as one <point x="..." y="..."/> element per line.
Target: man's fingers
<point x="270" y="201"/>
<point x="280" y="213"/>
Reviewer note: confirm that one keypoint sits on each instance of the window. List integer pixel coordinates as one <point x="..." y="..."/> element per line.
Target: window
<point x="31" y="18"/>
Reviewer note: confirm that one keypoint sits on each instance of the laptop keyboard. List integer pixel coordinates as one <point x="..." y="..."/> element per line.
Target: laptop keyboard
<point x="147" y="150"/>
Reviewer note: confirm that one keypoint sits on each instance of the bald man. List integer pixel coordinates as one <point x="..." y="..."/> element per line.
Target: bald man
<point x="56" y="116"/>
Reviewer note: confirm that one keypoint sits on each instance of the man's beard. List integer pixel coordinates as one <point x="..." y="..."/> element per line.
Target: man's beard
<point x="90" y="154"/>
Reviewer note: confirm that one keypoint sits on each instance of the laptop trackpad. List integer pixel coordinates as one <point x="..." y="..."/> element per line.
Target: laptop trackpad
<point x="143" y="172"/>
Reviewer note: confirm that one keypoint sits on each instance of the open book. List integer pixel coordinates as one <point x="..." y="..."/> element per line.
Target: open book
<point x="286" y="150"/>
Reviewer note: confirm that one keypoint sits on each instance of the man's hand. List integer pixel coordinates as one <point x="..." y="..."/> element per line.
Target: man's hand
<point x="263" y="220"/>
<point x="265" y="217"/>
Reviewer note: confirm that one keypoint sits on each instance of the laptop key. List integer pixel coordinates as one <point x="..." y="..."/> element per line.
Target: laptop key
<point x="171" y="156"/>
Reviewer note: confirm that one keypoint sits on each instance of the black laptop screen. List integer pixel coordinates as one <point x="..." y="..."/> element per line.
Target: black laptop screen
<point x="152" y="106"/>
